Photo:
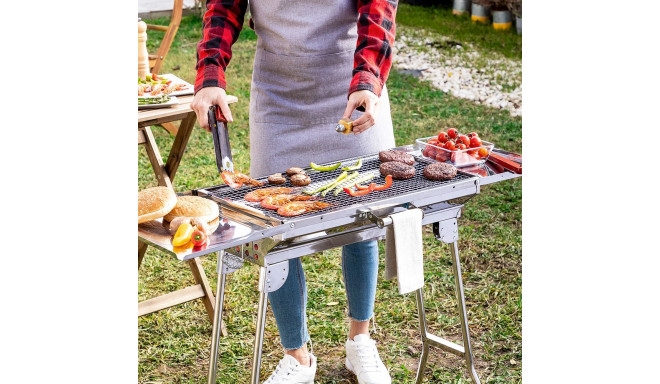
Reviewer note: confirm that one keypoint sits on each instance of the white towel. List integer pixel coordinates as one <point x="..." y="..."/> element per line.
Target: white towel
<point x="403" y="250"/>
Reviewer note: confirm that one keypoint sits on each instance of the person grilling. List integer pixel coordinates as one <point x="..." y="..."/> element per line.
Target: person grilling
<point x="314" y="59"/>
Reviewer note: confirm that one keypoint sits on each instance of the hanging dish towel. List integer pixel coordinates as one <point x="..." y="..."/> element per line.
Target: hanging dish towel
<point x="403" y="250"/>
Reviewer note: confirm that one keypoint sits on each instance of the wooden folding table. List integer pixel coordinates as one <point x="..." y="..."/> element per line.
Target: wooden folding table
<point x="165" y="173"/>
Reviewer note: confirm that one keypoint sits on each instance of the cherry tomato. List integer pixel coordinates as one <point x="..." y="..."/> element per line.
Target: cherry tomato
<point x="483" y="152"/>
<point x="462" y="146"/>
<point x="472" y="152"/>
<point x="450" y="145"/>
<point x="475" y="142"/>
<point x="443" y="137"/>
<point x="452" y="133"/>
<point x="472" y="134"/>
<point x="434" y="141"/>
<point x="464" y="139"/>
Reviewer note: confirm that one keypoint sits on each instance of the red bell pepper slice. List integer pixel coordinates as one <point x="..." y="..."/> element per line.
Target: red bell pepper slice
<point x="360" y="187"/>
<point x="360" y="193"/>
<point x="388" y="183"/>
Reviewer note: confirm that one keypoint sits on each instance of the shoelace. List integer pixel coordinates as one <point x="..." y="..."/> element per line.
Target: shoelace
<point x="368" y="355"/>
<point x="279" y="374"/>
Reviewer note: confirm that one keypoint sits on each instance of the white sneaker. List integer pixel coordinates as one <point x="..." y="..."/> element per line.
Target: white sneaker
<point x="363" y="360"/>
<point x="290" y="371"/>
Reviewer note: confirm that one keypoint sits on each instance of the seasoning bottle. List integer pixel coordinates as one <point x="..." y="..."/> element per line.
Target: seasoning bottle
<point x="344" y="126"/>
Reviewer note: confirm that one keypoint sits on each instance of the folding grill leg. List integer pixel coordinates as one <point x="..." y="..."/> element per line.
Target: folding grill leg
<point x="447" y="231"/>
<point x="261" y="324"/>
<point x="425" y="340"/>
<point x="217" y="319"/>
<point x="460" y="297"/>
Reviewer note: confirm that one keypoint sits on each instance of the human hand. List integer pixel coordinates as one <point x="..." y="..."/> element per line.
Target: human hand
<point x="370" y="102"/>
<point x="206" y="97"/>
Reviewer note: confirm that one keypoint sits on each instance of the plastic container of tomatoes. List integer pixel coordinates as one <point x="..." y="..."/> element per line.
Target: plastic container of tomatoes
<point x="457" y="157"/>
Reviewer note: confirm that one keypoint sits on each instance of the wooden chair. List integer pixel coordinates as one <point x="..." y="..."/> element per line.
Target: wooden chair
<point x="156" y="61"/>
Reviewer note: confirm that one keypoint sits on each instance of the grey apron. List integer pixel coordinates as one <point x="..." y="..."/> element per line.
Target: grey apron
<point x="302" y="71"/>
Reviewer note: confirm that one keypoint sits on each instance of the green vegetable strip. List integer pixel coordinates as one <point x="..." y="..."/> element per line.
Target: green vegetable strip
<point x="357" y="165"/>
<point x="330" y="188"/>
<point x="359" y="180"/>
<point x="326" y="185"/>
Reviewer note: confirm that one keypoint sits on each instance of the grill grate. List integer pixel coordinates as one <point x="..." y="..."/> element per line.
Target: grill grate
<point x="369" y="164"/>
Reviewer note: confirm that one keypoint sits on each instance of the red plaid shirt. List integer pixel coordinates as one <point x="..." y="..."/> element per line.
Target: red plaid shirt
<point x="373" y="53"/>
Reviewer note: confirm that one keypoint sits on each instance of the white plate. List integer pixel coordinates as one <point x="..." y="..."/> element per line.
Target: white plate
<point x="173" y="101"/>
<point x="188" y="91"/>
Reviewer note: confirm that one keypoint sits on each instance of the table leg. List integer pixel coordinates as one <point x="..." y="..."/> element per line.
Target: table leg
<point x="217" y="319"/>
<point x="460" y="297"/>
<point x="179" y="145"/>
<point x="163" y="176"/>
<point x="142" y="249"/>
<point x="261" y="325"/>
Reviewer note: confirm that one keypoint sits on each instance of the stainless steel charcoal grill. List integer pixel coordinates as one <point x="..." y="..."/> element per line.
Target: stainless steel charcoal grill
<point x="251" y="233"/>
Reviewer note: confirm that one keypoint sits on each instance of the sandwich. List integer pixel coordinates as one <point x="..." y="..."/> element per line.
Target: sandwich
<point x="154" y="203"/>
<point x="202" y="212"/>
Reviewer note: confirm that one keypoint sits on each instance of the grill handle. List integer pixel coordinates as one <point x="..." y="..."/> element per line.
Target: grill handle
<point x="381" y="222"/>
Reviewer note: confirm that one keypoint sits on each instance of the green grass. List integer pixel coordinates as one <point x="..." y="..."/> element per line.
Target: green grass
<point x="461" y="29"/>
<point x="174" y="344"/>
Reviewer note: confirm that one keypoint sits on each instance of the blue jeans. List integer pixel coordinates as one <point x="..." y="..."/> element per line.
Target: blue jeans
<point x="359" y="264"/>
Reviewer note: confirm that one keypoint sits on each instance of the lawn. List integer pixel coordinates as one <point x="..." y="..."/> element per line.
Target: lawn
<point x="174" y="344"/>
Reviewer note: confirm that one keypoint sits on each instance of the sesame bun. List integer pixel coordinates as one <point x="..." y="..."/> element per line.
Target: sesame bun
<point x="154" y="203"/>
<point x="195" y="206"/>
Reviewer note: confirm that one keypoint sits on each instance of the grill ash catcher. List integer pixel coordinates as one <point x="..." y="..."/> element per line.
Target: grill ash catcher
<point x="259" y="236"/>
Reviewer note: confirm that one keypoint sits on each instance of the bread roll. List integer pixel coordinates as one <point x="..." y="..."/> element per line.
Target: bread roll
<point x="154" y="203"/>
<point x="194" y="206"/>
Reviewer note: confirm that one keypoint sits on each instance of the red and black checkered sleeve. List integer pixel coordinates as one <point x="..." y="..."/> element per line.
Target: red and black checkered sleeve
<point x="223" y="22"/>
<point x="373" y="54"/>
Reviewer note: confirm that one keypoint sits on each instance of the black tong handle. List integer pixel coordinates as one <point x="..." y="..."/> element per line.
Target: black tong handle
<point x="220" y="136"/>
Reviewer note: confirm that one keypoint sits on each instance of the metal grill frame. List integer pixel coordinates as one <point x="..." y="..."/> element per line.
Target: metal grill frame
<point x="417" y="191"/>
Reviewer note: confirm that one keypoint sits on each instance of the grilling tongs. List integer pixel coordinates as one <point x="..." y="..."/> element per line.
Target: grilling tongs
<point x="220" y="140"/>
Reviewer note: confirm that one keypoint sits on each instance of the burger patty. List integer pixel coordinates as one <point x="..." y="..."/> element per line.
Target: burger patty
<point x="440" y="171"/>
<point x="398" y="170"/>
<point x="394" y="155"/>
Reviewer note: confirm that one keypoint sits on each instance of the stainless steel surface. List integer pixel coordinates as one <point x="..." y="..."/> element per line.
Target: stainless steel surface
<point x="261" y="326"/>
<point x="460" y="297"/>
<point x="276" y="275"/>
<point x="421" y="314"/>
<point x="228" y="234"/>
<point x="217" y="319"/>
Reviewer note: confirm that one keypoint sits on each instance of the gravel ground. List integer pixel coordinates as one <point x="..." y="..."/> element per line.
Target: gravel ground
<point x="485" y="77"/>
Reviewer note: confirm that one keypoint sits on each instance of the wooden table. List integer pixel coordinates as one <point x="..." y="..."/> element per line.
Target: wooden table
<point x="165" y="173"/>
